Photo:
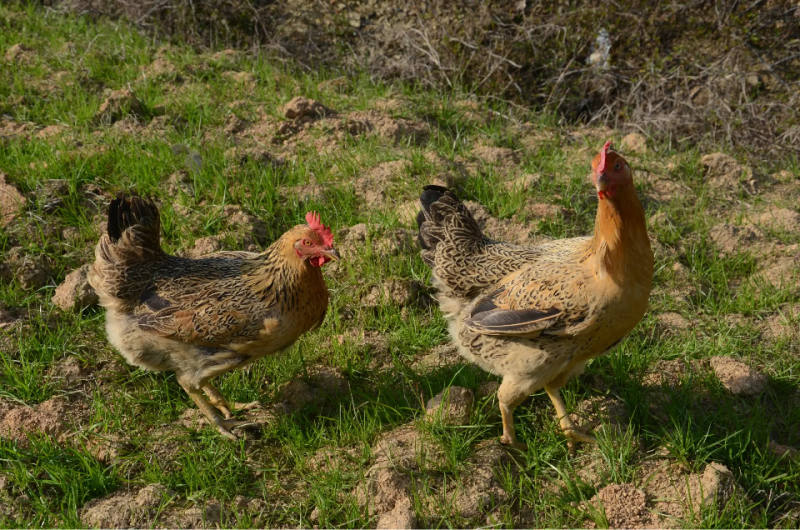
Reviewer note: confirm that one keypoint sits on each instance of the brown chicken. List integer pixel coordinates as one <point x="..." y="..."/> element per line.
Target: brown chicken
<point x="203" y="317"/>
<point x="537" y="315"/>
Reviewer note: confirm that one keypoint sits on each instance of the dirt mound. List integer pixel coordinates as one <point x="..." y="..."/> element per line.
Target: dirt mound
<point x="440" y="356"/>
<point x="75" y="293"/>
<point x="380" y="185"/>
<point x="51" y="418"/>
<point x="126" y="509"/>
<point x="634" y="143"/>
<point x="782" y="325"/>
<point x="20" y="53"/>
<point x="709" y="86"/>
<point x="155" y="505"/>
<point x="737" y="377"/>
<point x="452" y="406"/>
<point x="724" y="173"/>
<point x="625" y="506"/>
<point x="31" y="271"/>
<point x="500" y="156"/>
<point x="779" y="219"/>
<point x="395" y="130"/>
<point x="480" y="490"/>
<point x="398" y="292"/>
<point x="12" y="202"/>
<point x="117" y="105"/>
<point x="671" y="323"/>
<point x="302" y="108"/>
<point x="666" y="496"/>
<point x="503" y="229"/>
<point x="669" y="373"/>
<point x="386" y="490"/>
<point x="322" y="385"/>
<point x="730" y="239"/>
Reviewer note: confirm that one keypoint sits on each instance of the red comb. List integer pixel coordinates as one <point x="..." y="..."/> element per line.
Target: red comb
<point x="312" y="218"/>
<point x="602" y="165"/>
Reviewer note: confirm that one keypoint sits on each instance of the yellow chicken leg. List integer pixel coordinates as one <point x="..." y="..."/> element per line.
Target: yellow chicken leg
<point x="216" y="398"/>
<point x="571" y="430"/>
<point x="224" y="426"/>
<point x="510" y="394"/>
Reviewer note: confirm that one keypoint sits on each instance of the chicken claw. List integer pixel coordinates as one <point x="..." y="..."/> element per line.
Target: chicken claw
<point x="571" y="431"/>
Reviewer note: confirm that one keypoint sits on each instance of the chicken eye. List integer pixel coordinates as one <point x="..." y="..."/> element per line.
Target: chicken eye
<point x="307" y="243"/>
<point x="617" y="166"/>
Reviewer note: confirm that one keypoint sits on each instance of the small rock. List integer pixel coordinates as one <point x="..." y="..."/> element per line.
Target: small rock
<point x="635" y="143"/>
<point x="11" y="201"/>
<point x="75" y="293"/>
<point x="737" y="377"/>
<point x="452" y="405"/>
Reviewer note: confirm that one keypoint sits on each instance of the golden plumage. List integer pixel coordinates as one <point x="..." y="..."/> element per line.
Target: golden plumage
<point x="204" y="317"/>
<point x="537" y="315"/>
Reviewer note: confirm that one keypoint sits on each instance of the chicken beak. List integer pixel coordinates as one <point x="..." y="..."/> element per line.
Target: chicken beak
<point x="602" y="183"/>
<point x="331" y="253"/>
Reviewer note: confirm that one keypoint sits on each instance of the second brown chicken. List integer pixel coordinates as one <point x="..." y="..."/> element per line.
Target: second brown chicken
<point x="536" y="315"/>
<point x="204" y="317"/>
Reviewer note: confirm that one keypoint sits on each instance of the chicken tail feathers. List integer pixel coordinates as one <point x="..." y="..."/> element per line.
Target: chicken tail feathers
<point x="132" y="237"/>
<point x="444" y="217"/>
<point x="130" y="211"/>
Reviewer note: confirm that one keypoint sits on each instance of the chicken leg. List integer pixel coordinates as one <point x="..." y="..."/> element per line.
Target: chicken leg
<point x="510" y="394"/>
<point x="224" y="426"/>
<point x="218" y="400"/>
<point x="571" y="431"/>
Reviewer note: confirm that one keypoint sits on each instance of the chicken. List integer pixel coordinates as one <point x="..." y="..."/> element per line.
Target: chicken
<point x="203" y="317"/>
<point x="536" y="315"/>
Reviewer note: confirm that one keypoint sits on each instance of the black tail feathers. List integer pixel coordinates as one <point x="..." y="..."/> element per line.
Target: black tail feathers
<point x="128" y="210"/>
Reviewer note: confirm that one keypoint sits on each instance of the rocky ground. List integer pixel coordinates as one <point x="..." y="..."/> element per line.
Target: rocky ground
<point x="372" y="420"/>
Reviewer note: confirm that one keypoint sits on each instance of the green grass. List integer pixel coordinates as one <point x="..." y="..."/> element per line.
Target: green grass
<point x="48" y="481"/>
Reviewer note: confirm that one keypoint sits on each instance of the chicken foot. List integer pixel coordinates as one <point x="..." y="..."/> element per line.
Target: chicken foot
<point x="224" y="426"/>
<point x="571" y="431"/>
<point x="216" y="398"/>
